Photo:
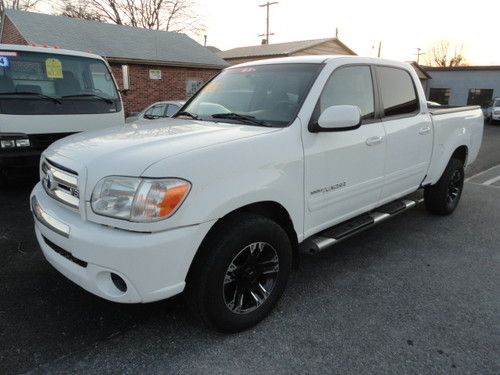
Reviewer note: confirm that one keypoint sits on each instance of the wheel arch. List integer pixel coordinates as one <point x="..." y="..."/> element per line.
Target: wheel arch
<point x="461" y="153"/>
<point x="438" y="165"/>
<point x="270" y="209"/>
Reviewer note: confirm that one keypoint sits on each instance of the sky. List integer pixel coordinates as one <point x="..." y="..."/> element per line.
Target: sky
<point x="402" y="26"/>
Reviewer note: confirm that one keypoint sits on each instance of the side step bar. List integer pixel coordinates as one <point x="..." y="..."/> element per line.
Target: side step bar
<point x="330" y="236"/>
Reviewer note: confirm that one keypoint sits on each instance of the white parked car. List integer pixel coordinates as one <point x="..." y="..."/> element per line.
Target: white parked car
<point x="493" y="111"/>
<point x="47" y="94"/>
<point x="156" y="111"/>
<point x="269" y="159"/>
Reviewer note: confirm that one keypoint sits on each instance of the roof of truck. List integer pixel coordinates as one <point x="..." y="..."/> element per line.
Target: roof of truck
<point x="318" y="59"/>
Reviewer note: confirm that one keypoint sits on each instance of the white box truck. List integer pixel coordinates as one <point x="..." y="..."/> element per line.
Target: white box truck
<point x="47" y="94"/>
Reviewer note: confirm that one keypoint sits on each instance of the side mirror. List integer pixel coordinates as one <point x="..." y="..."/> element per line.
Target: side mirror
<point x="339" y="117"/>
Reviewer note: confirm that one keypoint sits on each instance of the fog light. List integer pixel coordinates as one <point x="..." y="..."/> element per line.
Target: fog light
<point x="8" y="143"/>
<point x="120" y="284"/>
<point x="23" y="142"/>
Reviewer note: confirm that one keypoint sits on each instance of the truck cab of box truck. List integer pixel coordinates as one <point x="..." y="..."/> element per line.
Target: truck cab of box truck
<point x="47" y="94"/>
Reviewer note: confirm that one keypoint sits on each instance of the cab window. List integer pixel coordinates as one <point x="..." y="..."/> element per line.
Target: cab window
<point x="350" y="85"/>
<point x="397" y="91"/>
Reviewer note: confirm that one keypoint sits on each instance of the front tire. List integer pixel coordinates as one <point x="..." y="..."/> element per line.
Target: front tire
<point x="443" y="197"/>
<point x="241" y="273"/>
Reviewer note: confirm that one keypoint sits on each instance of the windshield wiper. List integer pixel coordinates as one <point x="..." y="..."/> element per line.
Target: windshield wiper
<point x="247" y="119"/>
<point x="41" y="96"/>
<point x="107" y="100"/>
<point x="188" y="114"/>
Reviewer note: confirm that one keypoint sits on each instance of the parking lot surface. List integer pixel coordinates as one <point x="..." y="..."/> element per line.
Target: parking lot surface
<point x="417" y="294"/>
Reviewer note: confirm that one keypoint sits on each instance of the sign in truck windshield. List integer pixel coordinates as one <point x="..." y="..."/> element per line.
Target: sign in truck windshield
<point x="34" y="83"/>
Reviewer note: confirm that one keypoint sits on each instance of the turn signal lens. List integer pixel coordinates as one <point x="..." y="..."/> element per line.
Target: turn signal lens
<point x="158" y="199"/>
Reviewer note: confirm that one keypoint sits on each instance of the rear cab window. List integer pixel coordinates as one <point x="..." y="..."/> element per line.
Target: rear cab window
<point x="397" y="91"/>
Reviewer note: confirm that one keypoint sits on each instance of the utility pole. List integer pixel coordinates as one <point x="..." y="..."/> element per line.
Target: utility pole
<point x="419" y="53"/>
<point x="379" y="48"/>
<point x="205" y="43"/>
<point x="267" y="5"/>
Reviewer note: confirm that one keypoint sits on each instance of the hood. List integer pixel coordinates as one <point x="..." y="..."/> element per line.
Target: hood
<point x="130" y="149"/>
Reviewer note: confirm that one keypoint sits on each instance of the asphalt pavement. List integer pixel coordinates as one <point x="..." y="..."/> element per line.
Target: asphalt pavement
<point x="416" y="294"/>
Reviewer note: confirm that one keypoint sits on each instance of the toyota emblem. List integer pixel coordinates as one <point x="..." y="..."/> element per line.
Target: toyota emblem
<point x="48" y="181"/>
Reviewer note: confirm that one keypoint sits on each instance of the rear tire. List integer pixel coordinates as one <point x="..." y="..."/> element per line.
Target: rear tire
<point x="443" y="197"/>
<point x="241" y="273"/>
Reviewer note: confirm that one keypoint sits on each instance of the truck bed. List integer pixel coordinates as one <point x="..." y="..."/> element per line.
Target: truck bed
<point x="454" y="126"/>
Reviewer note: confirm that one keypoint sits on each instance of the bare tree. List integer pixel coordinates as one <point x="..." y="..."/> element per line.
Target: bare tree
<point x="168" y="15"/>
<point x="17" y="4"/>
<point x="441" y="54"/>
<point x="79" y="10"/>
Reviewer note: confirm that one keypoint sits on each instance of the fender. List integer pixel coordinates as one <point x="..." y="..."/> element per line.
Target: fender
<point x="447" y="139"/>
<point x="229" y="176"/>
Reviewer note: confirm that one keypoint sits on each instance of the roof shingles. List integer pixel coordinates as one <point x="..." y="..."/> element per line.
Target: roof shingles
<point x="113" y="41"/>
<point x="278" y="49"/>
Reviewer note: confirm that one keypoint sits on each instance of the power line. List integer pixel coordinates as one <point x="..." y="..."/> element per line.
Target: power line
<point x="267" y="5"/>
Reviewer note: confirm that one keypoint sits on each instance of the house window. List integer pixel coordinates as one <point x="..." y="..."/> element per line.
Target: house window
<point x="192" y="85"/>
<point x="439" y="95"/>
<point x="480" y="97"/>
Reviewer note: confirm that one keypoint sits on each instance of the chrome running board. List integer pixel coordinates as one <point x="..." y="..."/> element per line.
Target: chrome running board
<point x="346" y="229"/>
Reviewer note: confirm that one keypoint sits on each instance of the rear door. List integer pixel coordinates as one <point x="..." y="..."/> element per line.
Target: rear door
<point x="408" y="131"/>
<point x="344" y="170"/>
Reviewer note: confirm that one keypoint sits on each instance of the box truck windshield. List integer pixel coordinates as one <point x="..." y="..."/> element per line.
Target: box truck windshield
<point x="33" y="83"/>
<point x="47" y="94"/>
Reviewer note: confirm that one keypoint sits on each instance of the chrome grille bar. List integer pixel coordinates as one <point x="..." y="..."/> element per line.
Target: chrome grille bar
<point x="60" y="184"/>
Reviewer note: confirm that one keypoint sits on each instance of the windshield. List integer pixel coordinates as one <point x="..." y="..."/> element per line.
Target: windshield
<point x="497" y="103"/>
<point x="33" y="83"/>
<point x="268" y="94"/>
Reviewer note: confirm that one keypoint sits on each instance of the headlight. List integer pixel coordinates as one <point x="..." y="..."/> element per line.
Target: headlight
<point x="137" y="199"/>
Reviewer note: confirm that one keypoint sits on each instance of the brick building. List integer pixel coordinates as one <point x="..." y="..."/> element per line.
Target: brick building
<point x="161" y="65"/>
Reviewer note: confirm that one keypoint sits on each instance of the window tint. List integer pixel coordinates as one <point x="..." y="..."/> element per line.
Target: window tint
<point x="479" y="97"/>
<point x="171" y="110"/>
<point x="350" y="85"/>
<point x="397" y="91"/>
<point x="441" y="96"/>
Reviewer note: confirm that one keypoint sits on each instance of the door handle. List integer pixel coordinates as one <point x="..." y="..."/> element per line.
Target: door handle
<point x="424" y="130"/>
<point x="372" y="141"/>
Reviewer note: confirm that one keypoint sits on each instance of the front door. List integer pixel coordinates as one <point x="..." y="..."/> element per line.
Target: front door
<point x="344" y="170"/>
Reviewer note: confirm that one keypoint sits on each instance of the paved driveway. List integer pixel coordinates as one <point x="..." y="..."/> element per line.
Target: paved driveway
<point x="415" y="294"/>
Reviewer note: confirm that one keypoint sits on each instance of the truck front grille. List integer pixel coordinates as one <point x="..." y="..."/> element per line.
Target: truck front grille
<point x="60" y="183"/>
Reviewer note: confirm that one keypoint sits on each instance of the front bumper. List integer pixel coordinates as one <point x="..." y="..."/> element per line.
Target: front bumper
<point x="495" y="117"/>
<point x="153" y="266"/>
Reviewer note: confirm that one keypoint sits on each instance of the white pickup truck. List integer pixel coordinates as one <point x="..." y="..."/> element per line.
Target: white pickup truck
<point x="268" y="159"/>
